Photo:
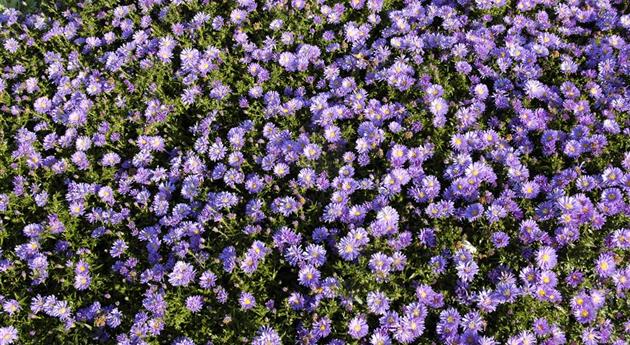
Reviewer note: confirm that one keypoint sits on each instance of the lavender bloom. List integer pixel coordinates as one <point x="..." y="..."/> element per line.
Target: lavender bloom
<point x="8" y="335"/>
<point x="267" y="336"/>
<point x="182" y="274"/>
<point x="358" y="328"/>
<point x="194" y="303"/>
<point x="247" y="301"/>
<point x="605" y="265"/>
<point x="400" y="168"/>
<point x="11" y="307"/>
<point x="546" y="258"/>
<point x="438" y="108"/>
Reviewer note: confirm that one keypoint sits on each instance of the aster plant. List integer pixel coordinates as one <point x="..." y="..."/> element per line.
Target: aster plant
<point x="316" y="172"/>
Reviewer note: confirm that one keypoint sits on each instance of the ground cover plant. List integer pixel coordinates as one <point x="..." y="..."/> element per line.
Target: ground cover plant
<point x="315" y="172"/>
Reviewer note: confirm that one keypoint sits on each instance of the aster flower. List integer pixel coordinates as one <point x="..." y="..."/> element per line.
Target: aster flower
<point x="438" y="108"/>
<point x="267" y="336"/>
<point x="467" y="270"/>
<point x="309" y="276"/>
<point x="605" y="265"/>
<point x="380" y="264"/>
<point x="251" y="171"/>
<point x="535" y="89"/>
<point x="246" y="301"/>
<point x="82" y="281"/>
<point x="348" y="248"/>
<point x="321" y="328"/>
<point x="500" y="239"/>
<point x="11" y="306"/>
<point x="182" y="274"/>
<point x="378" y="303"/>
<point x="8" y="335"/>
<point x="546" y="258"/>
<point x="194" y="303"/>
<point x="357" y="327"/>
<point x="574" y="279"/>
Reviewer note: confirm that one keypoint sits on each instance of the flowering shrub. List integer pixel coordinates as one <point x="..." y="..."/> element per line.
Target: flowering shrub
<point x="315" y="172"/>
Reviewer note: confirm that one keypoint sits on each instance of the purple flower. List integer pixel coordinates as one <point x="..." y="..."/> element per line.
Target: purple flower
<point x="194" y="303"/>
<point x="322" y="327"/>
<point x="378" y="303"/>
<point x="267" y="336"/>
<point x="42" y="105"/>
<point x="247" y="301"/>
<point x="438" y="108"/>
<point x="500" y="239"/>
<point x="466" y="271"/>
<point x="541" y="327"/>
<point x="357" y="327"/>
<point x="182" y="274"/>
<point x="207" y="280"/>
<point x="312" y="151"/>
<point x="11" y="45"/>
<point x="82" y="281"/>
<point x="11" y="307"/>
<point x="574" y="279"/>
<point x="546" y="258"/>
<point x="535" y="89"/>
<point x="8" y="335"/>
<point x="605" y="265"/>
<point x="309" y="276"/>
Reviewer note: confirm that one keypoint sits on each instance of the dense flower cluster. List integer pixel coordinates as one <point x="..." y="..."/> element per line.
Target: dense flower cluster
<point x="315" y="172"/>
